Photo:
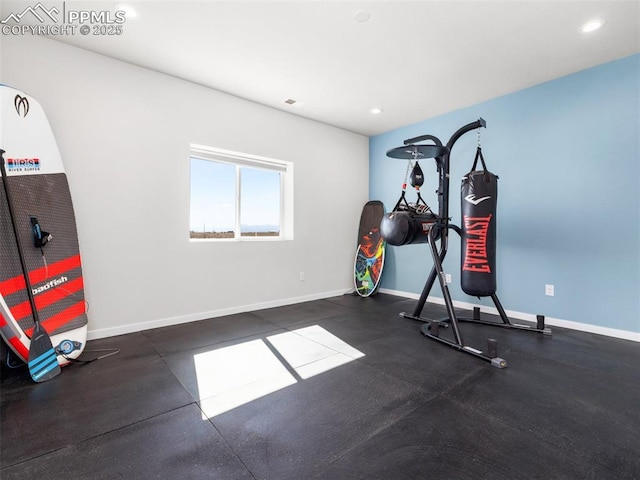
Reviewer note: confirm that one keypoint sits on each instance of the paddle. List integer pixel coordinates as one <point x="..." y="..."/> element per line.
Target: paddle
<point x="43" y="362"/>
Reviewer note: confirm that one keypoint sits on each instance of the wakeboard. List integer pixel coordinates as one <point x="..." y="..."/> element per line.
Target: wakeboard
<point x="46" y="229"/>
<point x="369" y="259"/>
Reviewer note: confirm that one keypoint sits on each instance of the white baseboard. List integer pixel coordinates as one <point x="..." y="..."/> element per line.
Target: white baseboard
<point x="528" y="317"/>
<point x="165" y="322"/>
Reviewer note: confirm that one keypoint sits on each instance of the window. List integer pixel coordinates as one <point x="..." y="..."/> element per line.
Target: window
<point x="239" y="196"/>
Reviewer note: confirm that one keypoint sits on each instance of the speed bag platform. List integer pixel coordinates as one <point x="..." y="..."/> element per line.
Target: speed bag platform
<point x="479" y="195"/>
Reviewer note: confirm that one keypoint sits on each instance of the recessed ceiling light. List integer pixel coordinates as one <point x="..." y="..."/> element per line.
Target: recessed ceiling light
<point x="376" y="111"/>
<point x="592" y="25"/>
<point x="128" y="10"/>
<point x="362" y="16"/>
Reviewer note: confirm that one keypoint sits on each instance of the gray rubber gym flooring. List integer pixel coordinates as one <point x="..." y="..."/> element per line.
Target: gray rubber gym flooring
<point x="334" y="389"/>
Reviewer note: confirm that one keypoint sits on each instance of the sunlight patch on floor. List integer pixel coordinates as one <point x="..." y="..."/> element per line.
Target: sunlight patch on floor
<point x="238" y="374"/>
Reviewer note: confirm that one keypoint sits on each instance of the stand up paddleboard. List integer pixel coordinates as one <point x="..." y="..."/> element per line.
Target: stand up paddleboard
<point x="46" y="230"/>
<point x="370" y="253"/>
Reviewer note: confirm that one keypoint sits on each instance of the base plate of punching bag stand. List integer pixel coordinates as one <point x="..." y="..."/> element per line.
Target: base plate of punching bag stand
<point x="430" y="330"/>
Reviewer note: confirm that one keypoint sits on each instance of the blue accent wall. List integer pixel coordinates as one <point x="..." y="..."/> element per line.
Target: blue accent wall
<point x="568" y="156"/>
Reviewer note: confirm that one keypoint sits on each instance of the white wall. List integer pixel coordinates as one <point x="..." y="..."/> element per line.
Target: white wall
<point x="124" y="134"/>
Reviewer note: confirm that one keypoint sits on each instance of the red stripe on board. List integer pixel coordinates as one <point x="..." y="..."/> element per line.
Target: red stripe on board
<point x="12" y="285"/>
<point x="67" y="315"/>
<point x="47" y="298"/>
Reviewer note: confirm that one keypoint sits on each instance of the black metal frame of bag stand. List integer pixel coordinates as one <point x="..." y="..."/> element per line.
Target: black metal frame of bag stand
<point x="440" y="231"/>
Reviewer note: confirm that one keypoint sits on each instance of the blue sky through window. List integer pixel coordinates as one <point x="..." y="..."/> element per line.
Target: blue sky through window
<point x="213" y="198"/>
<point x="260" y="200"/>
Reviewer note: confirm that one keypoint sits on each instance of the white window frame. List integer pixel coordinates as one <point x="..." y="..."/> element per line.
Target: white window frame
<point x="284" y="168"/>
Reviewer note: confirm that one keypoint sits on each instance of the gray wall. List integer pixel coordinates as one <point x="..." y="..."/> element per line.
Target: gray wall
<point x="124" y="135"/>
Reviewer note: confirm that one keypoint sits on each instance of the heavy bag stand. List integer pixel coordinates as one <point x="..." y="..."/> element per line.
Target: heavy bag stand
<point x="411" y="150"/>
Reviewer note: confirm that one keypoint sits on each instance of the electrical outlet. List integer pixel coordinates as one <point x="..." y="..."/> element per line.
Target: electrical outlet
<point x="302" y="277"/>
<point x="549" y="290"/>
<point x="447" y="277"/>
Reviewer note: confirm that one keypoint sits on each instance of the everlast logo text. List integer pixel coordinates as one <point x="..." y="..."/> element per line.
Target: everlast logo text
<point x="475" y="255"/>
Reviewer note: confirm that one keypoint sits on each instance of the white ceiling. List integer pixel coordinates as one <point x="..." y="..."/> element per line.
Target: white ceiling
<point x="414" y="59"/>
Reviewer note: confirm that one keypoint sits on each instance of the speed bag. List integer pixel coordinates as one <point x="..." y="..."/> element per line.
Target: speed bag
<point x="479" y="194"/>
<point x="405" y="227"/>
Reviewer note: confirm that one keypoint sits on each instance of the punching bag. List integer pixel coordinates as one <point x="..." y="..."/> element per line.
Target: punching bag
<point x="406" y="227"/>
<point x="479" y="195"/>
<point x="409" y="223"/>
